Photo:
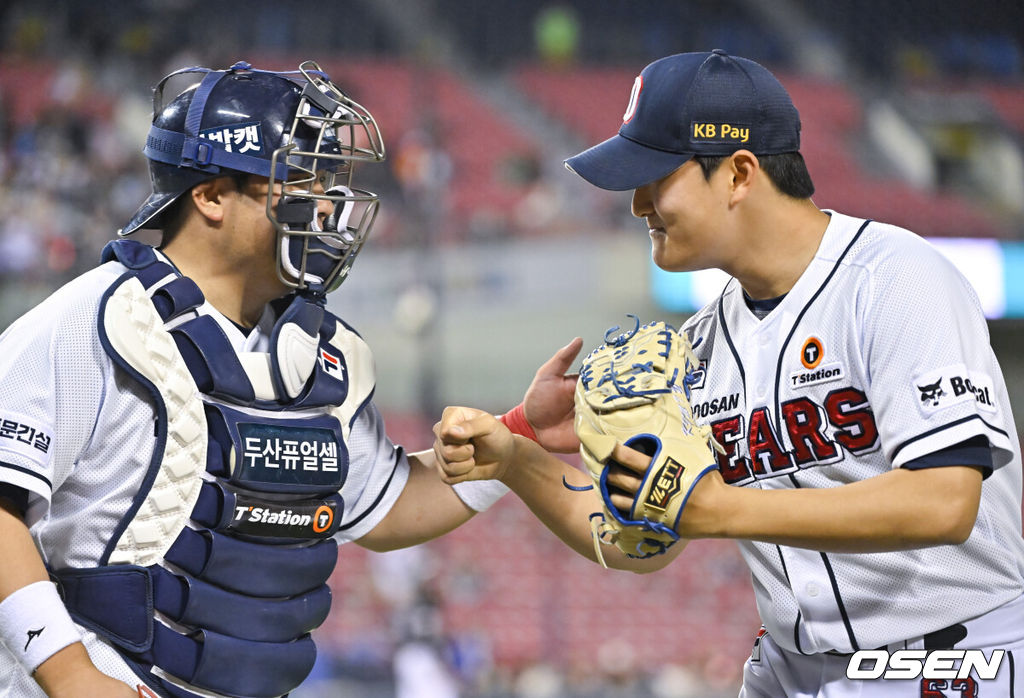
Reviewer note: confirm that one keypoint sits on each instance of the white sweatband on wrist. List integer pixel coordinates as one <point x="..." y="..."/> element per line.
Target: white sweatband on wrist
<point x="35" y="625"/>
<point x="479" y="495"/>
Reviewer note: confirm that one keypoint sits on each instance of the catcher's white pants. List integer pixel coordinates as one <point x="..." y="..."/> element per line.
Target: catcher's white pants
<point x="772" y="672"/>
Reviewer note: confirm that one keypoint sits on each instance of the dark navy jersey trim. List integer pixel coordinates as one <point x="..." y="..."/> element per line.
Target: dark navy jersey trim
<point x="387" y="485"/>
<point x="943" y="427"/>
<point x="762" y="308"/>
<point x="1013" y="672"/>
<point x="728" y="339"/>
<point x="34" y="474"/>
<point x="974" y="452"/>
<point x="839" y="602"/>
<point x="796" y="323"/>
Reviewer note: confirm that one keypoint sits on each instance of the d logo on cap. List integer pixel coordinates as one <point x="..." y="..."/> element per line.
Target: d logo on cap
<point x="634" y="97"/>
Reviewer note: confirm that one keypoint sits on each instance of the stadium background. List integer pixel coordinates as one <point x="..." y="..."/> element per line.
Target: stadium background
<point x="488" y="256"/>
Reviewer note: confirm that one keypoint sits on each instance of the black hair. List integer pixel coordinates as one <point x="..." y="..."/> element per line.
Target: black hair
<point x="787" y="171"/>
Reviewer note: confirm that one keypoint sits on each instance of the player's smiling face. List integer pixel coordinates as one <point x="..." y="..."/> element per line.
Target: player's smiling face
<point x="683" y="212"/>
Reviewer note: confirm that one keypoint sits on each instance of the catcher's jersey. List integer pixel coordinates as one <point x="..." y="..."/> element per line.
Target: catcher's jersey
<point x="878" y="355"/>
<point x="79" y="434"/>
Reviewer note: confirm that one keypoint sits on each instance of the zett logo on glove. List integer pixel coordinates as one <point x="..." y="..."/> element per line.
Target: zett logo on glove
<point x="667" y="484"/>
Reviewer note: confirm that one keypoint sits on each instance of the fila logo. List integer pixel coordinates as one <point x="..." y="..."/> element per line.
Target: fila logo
<point x="667" y="484"/>
<point x="330" y="363"/>
<point x="634" y="97"/>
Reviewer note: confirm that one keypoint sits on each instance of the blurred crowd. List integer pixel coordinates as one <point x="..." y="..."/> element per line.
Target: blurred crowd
<point x="75" y="80"/>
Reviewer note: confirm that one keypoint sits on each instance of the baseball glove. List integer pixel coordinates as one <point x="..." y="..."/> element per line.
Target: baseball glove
<point x="635" y="390"/>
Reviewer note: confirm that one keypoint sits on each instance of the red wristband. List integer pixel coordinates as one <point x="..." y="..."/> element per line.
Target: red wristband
<point x="515" y="420"/>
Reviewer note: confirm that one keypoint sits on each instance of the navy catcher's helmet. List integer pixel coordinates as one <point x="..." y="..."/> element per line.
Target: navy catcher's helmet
<point x="297" y="129"/>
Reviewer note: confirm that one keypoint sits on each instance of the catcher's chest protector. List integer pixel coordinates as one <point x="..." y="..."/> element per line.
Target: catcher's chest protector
<point x="217" y="573"/>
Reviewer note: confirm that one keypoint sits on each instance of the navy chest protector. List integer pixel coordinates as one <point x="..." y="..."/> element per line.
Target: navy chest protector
<point x="217" y="574"/>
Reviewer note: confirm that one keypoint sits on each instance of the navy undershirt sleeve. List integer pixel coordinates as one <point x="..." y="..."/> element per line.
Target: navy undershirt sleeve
<point x="15" y="495"/>
<point x="974" y="451"/>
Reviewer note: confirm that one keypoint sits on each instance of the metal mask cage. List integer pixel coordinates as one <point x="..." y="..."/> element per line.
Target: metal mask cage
<point x="329" y="133"/>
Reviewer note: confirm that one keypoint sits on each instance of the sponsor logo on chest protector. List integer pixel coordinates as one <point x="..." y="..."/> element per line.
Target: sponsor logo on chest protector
<point x="288" y="455"/>
<point x="303" y="519"/>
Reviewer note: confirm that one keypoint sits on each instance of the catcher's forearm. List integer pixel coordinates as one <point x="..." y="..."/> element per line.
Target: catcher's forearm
<point x="426" y="509"/>
<point x="536" y="477"/>
<point x="899" y="510"/>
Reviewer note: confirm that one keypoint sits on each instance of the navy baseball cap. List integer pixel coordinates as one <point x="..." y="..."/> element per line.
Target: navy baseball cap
<point x="707" y="103"/>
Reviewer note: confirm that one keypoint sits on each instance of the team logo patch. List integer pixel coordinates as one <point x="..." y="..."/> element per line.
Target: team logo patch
<point x="239" y="138"/>
<point x="634" y="97"/>
<point x="699" y="375"/>
<point x="667" y="484"/>
<point x="954" y="385"/>
<point x="815" y="376"/>
<point x="811" y="352"/>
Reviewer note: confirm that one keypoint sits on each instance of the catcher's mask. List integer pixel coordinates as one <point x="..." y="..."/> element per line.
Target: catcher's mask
<point x="296" y="128"/>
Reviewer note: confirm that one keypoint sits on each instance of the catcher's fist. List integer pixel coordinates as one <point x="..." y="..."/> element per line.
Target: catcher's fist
<point x="470" y="444"/>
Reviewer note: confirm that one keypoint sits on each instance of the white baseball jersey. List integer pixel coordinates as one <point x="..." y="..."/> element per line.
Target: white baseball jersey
<point x="78" y="434"/>
<point x="879" y="355"/>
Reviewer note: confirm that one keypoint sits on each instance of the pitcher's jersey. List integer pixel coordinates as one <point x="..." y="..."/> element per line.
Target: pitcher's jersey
<point x="878" y="355"/>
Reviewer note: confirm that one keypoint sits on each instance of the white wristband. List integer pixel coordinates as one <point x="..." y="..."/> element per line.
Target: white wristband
<point x="35" y="625"/>
<point x="479" y="495"/>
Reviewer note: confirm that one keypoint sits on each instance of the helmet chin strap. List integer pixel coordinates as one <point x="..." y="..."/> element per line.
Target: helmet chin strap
<point x="320" y="266"/>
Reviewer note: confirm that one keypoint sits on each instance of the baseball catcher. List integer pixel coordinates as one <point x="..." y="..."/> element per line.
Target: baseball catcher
<point x="635" y="389"/>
